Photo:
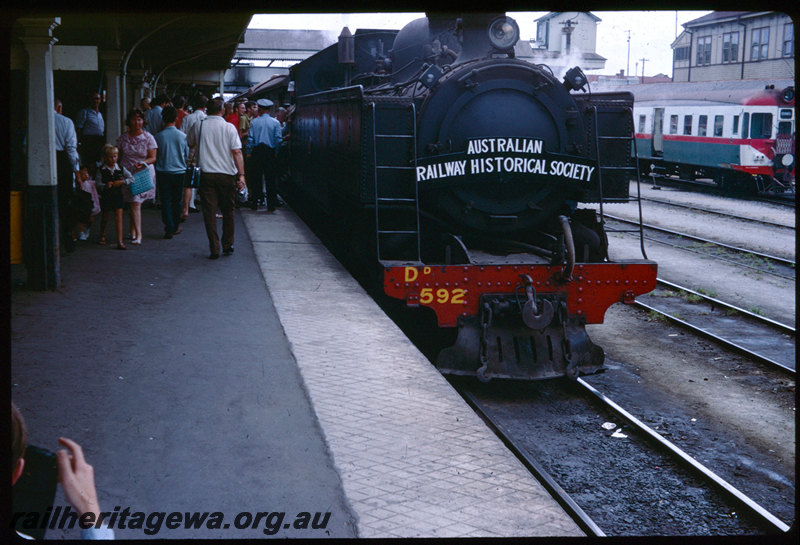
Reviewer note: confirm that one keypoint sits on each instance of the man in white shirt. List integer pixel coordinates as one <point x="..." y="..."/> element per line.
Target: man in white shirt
<point x="67" y="166"/>
<point x="222" y="174"/>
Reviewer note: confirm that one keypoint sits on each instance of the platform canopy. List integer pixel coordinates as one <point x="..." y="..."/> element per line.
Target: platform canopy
<point x="179" y="42"/>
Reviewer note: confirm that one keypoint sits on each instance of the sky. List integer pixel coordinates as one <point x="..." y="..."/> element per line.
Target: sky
<point x="651" y="32"/>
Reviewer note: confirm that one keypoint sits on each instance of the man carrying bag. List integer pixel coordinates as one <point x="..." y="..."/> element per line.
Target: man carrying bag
<point x="222" y="175"/>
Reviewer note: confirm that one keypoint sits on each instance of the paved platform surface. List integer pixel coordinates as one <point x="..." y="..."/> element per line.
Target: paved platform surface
<point x="173" y="372"/>
<point x="415" y="460"/>
<point x="190" y="392"/>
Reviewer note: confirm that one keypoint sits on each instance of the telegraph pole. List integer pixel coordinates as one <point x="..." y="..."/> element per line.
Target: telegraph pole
<point x="643" y="61"/>
<point x="628" y="67"/>
<point x="567" y="30"/>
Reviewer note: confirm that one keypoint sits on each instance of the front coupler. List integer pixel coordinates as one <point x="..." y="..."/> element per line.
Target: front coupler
<point x="531" y="341"/>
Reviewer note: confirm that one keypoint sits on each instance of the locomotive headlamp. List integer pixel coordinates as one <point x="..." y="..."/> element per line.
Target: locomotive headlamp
<point x="788" y="94"/>
<point x="503" y="33"/>
<point x="575" y="79"/>
<point x="430" y="76"/>
<point x="787" y="160"/>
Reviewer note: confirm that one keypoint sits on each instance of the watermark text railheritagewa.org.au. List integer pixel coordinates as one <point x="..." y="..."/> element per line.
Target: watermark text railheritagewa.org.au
<point x="269" y="522"/>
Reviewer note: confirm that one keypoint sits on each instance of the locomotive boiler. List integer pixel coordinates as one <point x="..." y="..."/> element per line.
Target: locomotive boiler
<point x="461" y="170"/>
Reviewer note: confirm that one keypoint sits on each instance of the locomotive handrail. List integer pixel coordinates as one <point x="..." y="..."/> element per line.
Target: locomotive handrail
<point x="601" y="168"/>
<point x="566" y="272"/>
<point x="313" y="96"/>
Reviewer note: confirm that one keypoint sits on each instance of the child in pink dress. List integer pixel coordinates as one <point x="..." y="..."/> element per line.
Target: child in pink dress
<point x="86" y="218"/>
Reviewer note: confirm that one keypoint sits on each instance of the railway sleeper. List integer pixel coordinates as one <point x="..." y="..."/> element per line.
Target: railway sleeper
<point x="498" y="344"/>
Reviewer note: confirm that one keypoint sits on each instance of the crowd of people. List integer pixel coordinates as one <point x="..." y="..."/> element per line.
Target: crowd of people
<point x="237" y="145"/>
<point x="95" y="178"/>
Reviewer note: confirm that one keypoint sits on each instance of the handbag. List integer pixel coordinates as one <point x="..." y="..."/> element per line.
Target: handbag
<point x="242" y="195"/>
<point x="142" y="181"/>
<point x="191" y="177"/>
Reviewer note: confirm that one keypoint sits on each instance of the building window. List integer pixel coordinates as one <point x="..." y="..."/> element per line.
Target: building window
<point x="759" y="46"/>
<point x="788" y="40"/>
<point x="718" y="121"/>
<point x="687" y="124"/>
<point x="641" y="123"/>
<point x="761" y="126"/>
<point x="730" y="47"/>
<point x="703" y="50"/>
<point x="681" y="53"/>
<point x="702" y="122"/>
<point x="673" y="124"/>
<point x="736" y="124"/>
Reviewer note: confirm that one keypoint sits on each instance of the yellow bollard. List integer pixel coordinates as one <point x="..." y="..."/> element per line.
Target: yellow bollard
<point x="15" y="206"/>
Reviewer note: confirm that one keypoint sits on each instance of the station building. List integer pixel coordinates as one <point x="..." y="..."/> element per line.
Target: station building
<point x="735" y="45"/>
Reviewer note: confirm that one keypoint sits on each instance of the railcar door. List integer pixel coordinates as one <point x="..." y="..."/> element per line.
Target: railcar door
<point x="658" y="132"/>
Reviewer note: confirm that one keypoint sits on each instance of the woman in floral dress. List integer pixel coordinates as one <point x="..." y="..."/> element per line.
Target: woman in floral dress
<point x="137" y="149"/>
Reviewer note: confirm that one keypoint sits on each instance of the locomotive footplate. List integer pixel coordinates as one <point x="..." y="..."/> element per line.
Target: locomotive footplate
<point x="499" y="344"/>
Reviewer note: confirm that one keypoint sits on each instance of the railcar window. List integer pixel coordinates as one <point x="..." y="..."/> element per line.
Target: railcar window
<point x="784" y="127"/>
<point x="746" y="126"/>
<point x="702" y="123"/>
<point x="641" y="123"/>
<point x="736" y="124"/>
<point x="761" y="126"/>
<point x="687" y="124"/>
<point x="718" y="121"/>
<point x="759" y="44"/>
<point x="673" y="124"/>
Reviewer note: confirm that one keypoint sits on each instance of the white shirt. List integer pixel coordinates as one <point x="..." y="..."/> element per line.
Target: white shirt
<point x="66" y="138"/>
<point x="219" y="139"/>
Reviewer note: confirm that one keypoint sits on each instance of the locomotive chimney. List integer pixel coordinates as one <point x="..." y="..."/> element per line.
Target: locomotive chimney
<point x="347" y="49"/>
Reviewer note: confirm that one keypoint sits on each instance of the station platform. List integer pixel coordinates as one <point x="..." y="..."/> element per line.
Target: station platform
<point x="264" y="383"/>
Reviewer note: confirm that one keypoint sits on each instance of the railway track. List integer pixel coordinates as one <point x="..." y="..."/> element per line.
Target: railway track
<point x="719" y="213"/>
<point x="758" y="261"/>
<point x="783" y="199"/>
<point x="757" y="337"/>
<point x="726" y="500"/>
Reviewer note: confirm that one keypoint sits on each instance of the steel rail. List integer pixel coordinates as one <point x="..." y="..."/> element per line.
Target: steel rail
<point x="785" y="328"/>
<point x="721" y="340"/>
<point x="703" y="187"/>
<point x="707" y="241"/>
<point x="559" y="494"/>
<point x="718" y="213"/>
<point x="768" y="518"/>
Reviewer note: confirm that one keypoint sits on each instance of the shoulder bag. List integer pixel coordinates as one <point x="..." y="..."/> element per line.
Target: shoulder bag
<point x="192" y="176"/>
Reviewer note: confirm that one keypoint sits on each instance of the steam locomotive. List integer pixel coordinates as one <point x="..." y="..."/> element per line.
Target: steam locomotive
<point x="459" y="168"/>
